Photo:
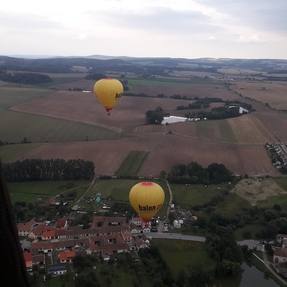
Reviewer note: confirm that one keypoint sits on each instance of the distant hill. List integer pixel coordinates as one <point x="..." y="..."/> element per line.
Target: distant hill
<point x="154" y="66"/>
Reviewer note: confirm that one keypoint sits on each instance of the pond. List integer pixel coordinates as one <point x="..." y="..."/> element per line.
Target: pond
<point x="250" y="277"/>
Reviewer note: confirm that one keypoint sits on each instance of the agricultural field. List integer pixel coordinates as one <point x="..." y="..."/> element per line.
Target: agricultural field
<point x="12" y="95"/>
<point x="84" y="108"/>
<point x="72" y="124"/>
<point x="43" y="190"/>
<point x="273" y="93"/>
<point x="194" y="88"/>
<point x="15" y="151"/>
<point x="15" y="126"/>
<point x="260" y="191"/>
<point x="132" y="163"/>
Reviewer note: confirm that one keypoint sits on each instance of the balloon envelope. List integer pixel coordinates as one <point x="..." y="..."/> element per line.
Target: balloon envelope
<point x="146" y="198"/>
<point x="107" y="92"/>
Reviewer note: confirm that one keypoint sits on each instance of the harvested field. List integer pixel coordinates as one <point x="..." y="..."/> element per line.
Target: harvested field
<point x="166" y="150"/>
<point x="256" y="189"/>
<point x="241" y="159"/>
<point x="275" y="123"/>
<point x="107" y="155"/>
<point x="273" y="93"/>
<point x="183" y="88"/>
<point x="248" y="129"/>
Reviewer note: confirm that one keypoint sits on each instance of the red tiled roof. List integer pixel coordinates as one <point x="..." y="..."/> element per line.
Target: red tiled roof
<point x="26" y="226"/>
<point x="107" y="221"/>
<point x="28" y="259"/>
<point x="49" y="233"/>
<point x="66" y="255"/>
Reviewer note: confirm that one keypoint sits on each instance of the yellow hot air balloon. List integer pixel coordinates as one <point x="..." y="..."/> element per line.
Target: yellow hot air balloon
<point x="107" y="92"/>
<point x="146" y="198"/>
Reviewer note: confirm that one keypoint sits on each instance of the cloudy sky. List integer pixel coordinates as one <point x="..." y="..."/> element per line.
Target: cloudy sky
<point x="172" y="28"/>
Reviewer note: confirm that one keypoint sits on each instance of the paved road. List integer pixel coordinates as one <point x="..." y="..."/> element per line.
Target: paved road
<point x="87" y="190"/>
<point x="178" y="236"/>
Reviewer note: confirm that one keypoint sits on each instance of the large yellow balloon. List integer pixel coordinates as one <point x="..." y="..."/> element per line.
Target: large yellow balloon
<point x="107" y="92"/>
<point x="146" y="198"/>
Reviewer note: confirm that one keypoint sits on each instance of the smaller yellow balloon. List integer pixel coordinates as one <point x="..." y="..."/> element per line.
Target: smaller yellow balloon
<point x="146" y="198"/>
<point x="108" y="92"/>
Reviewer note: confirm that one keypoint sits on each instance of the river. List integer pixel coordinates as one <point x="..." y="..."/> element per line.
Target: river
<point x="250" y="277"/>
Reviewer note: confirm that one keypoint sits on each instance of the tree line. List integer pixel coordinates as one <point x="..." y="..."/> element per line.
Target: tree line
<point x="24" y="78"/>
<point x="194" y="173"/>
<point x="49" y="169"/>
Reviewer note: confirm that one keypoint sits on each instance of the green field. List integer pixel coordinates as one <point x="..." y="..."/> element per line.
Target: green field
<point x="195" y="194"/>
<point x="271" y="201"/>
<point x="14" y="151"/>
<point x="42" y="190"/>
<point x="232" y="205"/>
<point x="118" y="191"/>
<point x="179" y="254"/>
<point x="10" y="96"/>
<point x="132" y="163"/>
<point x="14" y="126"/>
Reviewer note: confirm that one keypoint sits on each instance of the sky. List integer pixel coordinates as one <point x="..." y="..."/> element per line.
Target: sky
<point x="145" y="28"/>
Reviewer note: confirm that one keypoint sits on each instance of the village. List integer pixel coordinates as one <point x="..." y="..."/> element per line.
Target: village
<point x="52" y="246"/>
<point x="278" y="154"/>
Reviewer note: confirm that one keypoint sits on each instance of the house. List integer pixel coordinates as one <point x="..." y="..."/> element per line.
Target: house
<point x="57" y="270"/>
<point x="28" y="259"/>
<point x="66" y="256"/>
<point x="24" y="229"/>
<point x="280" y="256"/>
<point x="48" y="233"/>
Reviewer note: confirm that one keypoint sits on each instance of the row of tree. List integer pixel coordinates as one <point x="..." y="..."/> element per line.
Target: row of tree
<point x="24" y="78"/>
<point x="49" y="169"/>
<point x="155" y="116"/>
<point x="194" y="173"/>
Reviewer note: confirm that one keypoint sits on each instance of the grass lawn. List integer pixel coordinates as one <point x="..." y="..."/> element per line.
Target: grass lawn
<point x="14" y="126"/>
<point x="252" y="229"/>
<point x="179" y="254"/>
<point x="282" y="182"/>
<point x="231" y="205"/>
<point x="12" y="152"/>
<point x="32" y="191"/>
<point x="132" y="163"/>
<point x="278" y="199"/>
<point x="195" y="194"/>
